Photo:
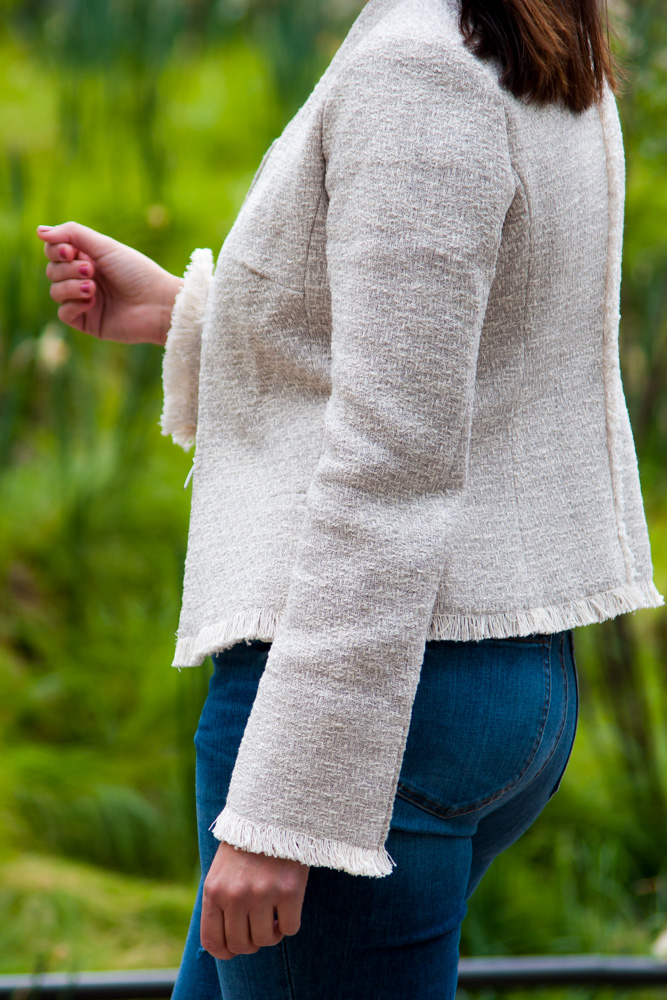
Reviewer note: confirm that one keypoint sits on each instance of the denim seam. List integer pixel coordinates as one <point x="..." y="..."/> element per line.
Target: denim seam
<point x="565" y="711"/>
<point x="576" y="719"/>
<point x="424" y="802"/>
<point x="288" y="976"/>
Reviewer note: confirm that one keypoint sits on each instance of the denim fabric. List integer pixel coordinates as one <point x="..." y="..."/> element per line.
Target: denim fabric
<point x="491" y="732"/>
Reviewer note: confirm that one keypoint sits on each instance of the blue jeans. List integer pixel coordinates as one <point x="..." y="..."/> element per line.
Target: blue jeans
<point x="492" y="728"/>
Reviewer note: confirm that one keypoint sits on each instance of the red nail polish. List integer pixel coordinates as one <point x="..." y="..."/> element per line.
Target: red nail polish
<point x="63" y="251"/>
<point x="85" y="287"/>
<point x="83" y="269"/>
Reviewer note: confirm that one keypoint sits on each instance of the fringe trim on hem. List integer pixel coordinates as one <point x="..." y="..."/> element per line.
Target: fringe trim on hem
<point x="584" y="611"/>
<point x="262" y="624"/>
<point x="191" y="651"/>
<point x="320" y="852"/>
<point x="180" y="362"/>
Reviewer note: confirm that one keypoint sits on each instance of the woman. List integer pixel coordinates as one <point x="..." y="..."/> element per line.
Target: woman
<point x="415" y="475"/>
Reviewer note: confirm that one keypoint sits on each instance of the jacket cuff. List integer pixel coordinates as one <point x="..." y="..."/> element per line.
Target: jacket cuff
<point x="180" y="362"/>
<point x="319" y="852"/>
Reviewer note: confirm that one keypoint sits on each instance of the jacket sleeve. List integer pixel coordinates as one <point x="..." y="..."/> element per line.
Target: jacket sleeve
<point x="180" y="361"/>
<point x="419" y="180"/>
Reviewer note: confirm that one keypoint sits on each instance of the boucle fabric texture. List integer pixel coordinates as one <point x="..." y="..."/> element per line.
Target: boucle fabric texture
<point x="410" y="421"/>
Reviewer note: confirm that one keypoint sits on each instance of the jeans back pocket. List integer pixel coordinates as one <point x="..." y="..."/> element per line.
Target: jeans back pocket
<point x="477" y="722"/>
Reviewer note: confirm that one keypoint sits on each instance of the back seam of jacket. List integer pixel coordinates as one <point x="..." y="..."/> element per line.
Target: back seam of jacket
<point x="528" y="280"/>
<point x="306" y="299"/>
<point x="614" y="403"/>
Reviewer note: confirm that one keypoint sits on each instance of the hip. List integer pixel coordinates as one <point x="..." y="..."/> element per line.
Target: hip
<point x="489" y="718"/>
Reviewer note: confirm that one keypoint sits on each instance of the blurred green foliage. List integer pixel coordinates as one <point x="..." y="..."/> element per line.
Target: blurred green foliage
<point x="146" y="119"/>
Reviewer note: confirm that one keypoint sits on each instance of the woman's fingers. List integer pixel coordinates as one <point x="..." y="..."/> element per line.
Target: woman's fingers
<point x="62" y="270"/>
<point x="289" y="900"/>
<point x="60" y="251"/>
<point x="243" y="893"/>
<point x="64" y="291"/>
<point x="70" y="313"/>
<point x="237" y="931"/>
<point x="212" y="928"/>
<point x="80" y="237"/>
<point x="264" y="931"/>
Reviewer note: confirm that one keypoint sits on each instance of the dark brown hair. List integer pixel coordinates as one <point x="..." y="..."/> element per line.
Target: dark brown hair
<point x="549" y="50"/>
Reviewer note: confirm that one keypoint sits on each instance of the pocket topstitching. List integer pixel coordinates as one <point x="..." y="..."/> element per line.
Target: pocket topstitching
<point x="478" y="722"/>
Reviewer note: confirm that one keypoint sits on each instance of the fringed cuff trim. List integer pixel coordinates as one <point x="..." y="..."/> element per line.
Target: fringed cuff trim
<point x="180" y="362"/>
<point x="320" y="852"/>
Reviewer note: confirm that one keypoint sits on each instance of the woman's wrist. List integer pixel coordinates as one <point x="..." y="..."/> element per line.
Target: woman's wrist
<point x="170" y="289"/>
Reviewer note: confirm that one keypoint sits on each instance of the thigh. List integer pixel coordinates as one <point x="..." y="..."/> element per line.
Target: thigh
<point x="387" y="938"/>
<point x="487" y="721"/>
<point x="484" y="724"/>
<point x="231" y="694"/>
<point x="197" y="977"/>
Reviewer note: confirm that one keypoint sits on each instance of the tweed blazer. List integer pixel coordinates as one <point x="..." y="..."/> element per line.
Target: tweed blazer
<point x="402" y="379"/>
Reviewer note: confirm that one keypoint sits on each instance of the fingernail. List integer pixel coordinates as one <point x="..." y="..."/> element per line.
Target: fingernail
<point x="85" y="287"/>
<point x="83" y="269"/>
<point x="45" y="227"/>
<point x="63" y="251"/>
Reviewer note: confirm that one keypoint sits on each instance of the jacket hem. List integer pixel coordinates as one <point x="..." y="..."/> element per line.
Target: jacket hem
<point x="556" y="618"/>
<point x="319" y="852"/>
<point x="262" y="623"/>
<point x="253" y="623"/>
<point x="181" y="358"/>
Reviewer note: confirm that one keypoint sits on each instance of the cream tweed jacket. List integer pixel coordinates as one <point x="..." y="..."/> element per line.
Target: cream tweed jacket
<point x="402" y="379"/>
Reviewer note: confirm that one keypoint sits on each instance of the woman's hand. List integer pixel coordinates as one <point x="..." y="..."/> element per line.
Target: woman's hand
<point x="241" y="893"/>
<point x="105" y="288"/>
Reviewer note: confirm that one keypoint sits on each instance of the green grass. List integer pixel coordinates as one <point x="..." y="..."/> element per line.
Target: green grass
<point x="66" y="916"/>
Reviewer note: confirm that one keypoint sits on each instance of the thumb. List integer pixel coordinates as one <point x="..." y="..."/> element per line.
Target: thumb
<point x="82" y="237"/>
